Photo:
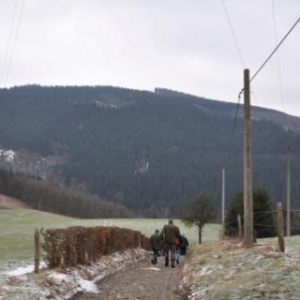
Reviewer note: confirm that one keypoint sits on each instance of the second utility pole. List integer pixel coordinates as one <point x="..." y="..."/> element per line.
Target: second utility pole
<point x="288" y="192"/>
<point x="248" y="193"/>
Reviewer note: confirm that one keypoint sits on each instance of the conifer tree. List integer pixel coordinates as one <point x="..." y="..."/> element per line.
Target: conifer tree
<point x="263" y="218"/>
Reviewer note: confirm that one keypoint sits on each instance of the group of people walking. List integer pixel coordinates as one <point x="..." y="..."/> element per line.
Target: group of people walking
<point x="169" y="243"/>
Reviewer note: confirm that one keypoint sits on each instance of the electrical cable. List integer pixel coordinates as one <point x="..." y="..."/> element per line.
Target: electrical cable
<point x="263" y="64"/>
<point x="235" y="115"/>
<point x="8" y="42"/>
<point x="283" y="115"/>
<point x="278" y="58"/>
<point x="275" y="50"/>
<point x="239" y="54"/>
<point x="232" y="32"/>
<point x="14" y="42"/>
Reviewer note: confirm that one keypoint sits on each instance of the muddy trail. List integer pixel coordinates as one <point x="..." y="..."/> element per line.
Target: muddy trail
<point x="140" y="280"/>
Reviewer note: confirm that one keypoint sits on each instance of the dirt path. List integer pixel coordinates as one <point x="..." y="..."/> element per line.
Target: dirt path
<point x="140" y="280"/>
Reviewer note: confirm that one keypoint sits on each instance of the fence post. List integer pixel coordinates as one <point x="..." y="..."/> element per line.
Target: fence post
<point x="280" y="227"/>
<point x="37" y="251"/>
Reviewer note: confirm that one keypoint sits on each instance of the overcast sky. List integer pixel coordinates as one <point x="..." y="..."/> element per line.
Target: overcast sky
<point x="198" y="47"/>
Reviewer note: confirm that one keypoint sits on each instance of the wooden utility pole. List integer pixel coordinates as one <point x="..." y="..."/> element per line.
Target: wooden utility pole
<point x="280" y="227"/>
<point x="288" y="192"/>
<point x="37" y="251"/>
<point x="223" y="201"/>
<point x="248" y="193"/>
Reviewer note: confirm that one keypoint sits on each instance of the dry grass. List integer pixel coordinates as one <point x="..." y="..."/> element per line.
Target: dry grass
<point x="9" y="202"/>
<point x="226" y="270"/>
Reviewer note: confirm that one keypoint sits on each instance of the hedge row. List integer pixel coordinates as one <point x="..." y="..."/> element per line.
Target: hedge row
<point x="83" y="245"/>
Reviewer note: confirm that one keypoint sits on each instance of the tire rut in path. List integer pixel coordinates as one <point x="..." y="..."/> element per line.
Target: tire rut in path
<point x="140" y="280"/>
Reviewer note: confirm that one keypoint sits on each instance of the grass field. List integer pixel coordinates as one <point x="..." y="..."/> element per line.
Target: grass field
<point x="17" y="228"/>
<point x="218" y="269"/>
<point x="226" y="270"/>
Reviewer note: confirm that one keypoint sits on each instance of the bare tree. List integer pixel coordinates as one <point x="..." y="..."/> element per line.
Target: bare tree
<point x="198" y="213"/>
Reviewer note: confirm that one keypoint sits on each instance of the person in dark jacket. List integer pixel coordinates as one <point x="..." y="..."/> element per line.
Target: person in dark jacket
<point x="183" y="244"/>
<point x="169" y="234"/>
<point x="155" y="245"/>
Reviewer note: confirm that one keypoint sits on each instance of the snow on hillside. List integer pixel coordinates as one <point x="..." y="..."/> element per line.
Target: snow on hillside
<point x="7" y="155"/>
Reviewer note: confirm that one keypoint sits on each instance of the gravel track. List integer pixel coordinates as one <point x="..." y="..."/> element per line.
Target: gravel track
<point x="140" y="280"/>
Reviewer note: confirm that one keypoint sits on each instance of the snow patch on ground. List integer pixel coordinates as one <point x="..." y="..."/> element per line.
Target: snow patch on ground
<point x="22" y="283"/>
<point x="20" y="271"/>
<point x="226" y="270"/>
<point x="88" y="286"/>
<point x="23" y="270"/>
<point x="152" y="269"/>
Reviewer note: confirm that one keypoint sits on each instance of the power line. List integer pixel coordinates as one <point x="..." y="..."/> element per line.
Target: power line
<point x="289" y="144"/>
<point x="276" y="48"/>
<point x="278" y="58"/>
<point x="283" y="116"/>
<point x="232" y="32"/>
<point x="236" y="114"/>
<point x="8" y="42"/>
<point x="262" y="66"/>
<point x="240" y="57"/>
<point x="14" y="42"/>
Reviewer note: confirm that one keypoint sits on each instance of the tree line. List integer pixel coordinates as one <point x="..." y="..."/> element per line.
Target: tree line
<point x="200" y="211"/>
<point x="46" y="196"/>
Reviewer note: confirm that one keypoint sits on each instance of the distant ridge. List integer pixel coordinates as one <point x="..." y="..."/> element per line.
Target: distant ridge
<point x="149" y="151"/>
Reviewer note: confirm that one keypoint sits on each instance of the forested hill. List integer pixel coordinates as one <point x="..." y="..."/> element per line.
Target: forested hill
<point x="151" y="151"/>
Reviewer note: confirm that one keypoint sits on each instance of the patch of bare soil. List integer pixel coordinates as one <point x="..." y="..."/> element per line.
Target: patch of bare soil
<point x="140" y="280"/>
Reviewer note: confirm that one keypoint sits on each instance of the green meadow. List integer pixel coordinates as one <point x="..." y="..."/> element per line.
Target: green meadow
<point x="221" y="269"/>
<point x="17" y="228"/>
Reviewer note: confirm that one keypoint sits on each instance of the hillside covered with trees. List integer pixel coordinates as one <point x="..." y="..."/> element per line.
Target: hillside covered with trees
<point x="150" y="151"/>
<point x="46" y="196"/>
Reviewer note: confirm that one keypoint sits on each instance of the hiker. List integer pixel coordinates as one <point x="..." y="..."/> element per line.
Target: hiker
<point x="178" y="250"/>
<point x="169" y="234"/>
<point x="155" y="245"/>
<point x="183" y="245"/>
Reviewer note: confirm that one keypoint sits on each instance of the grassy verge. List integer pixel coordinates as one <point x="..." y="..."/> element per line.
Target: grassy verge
<point x="226" y="270"/>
